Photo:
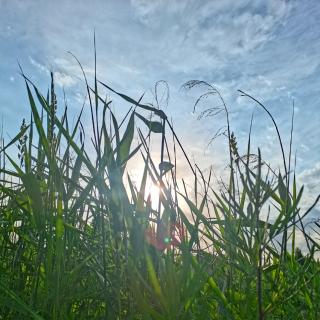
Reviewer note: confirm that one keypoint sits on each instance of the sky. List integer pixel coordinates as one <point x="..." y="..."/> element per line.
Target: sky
<point x="268" y="48"/>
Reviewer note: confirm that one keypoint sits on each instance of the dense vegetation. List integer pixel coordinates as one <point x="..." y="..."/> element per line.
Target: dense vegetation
<point x="80" y="239"/>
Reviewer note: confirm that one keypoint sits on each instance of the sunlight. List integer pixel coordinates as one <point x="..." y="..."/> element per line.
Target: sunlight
<point x="154" y="192"/>
<point x="159" y="159"/>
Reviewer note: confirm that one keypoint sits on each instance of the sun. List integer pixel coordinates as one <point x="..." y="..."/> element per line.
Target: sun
<point x="154" y="192"/>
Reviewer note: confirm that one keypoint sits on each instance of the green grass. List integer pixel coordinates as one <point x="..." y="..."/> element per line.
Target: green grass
<point x="79" y="239"/>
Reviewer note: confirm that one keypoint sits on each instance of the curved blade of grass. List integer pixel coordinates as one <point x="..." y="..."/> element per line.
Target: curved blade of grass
<point x="18" y="304"/>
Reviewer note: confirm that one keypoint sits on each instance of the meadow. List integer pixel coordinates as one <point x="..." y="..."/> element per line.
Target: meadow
<point x="79" y="239"/>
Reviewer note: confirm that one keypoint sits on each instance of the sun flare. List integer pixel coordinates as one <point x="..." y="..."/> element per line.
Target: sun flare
<point x="154" y="192"/>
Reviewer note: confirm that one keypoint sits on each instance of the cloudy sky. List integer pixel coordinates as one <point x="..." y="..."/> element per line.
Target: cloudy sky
<point x="269" y="49"/>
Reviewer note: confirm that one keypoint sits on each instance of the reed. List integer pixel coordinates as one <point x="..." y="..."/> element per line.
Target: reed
<point x="80" y="239"/>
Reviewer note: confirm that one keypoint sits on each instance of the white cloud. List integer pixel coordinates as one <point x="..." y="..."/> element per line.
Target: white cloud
<point x="42" y="68"/>
<point x="310" y="178"/>
<point x="61" y="78"/>
<point x="64" y="80"/>
<point x="145" y="8"/>
<point x="211" y="32"/>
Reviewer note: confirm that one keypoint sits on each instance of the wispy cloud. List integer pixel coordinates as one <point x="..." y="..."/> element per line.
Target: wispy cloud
<point x="311" y="179"/>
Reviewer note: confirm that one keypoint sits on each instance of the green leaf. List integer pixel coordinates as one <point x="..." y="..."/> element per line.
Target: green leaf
<point x="165" y="166"/>
<point x="116" y="128"/>
<point x="222" y="298"/>
<point x="154" y="126"/>
<point x="160" y="113"/>
<point x="125" y="143"/>
<point x="282" y="189"/>
<point x="16" y="302"/>
<point x="16" y="138"/>
<point x="38" y="123"/>
<point x="75" y="176"/>
<point x="32" y="186"/>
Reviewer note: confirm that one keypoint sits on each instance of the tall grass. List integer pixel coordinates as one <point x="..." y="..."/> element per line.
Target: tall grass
<point x="80" y="239"/>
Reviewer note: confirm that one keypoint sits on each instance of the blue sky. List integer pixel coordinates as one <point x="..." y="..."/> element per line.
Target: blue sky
<point x="269" y="49"/>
